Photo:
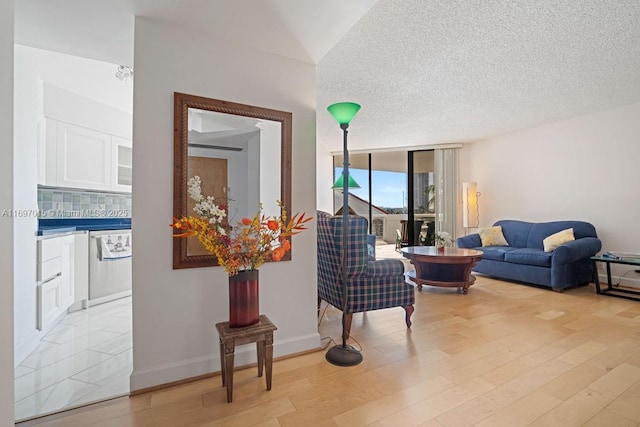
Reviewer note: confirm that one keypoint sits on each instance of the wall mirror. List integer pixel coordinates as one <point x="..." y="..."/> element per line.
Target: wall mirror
<point x="242" y="154"/>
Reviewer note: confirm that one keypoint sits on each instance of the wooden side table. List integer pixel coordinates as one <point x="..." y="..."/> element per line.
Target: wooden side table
<point x="261" y="333"/>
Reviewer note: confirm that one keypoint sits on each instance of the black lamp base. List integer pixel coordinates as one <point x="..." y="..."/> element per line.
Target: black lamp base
<point x="343" y="356"/>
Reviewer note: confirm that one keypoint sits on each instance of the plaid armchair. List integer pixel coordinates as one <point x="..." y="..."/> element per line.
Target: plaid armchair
<point x="372" y="284"/>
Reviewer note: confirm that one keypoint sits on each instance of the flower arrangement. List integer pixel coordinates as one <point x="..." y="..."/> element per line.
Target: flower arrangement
<point x="443" y="238"/>
<point x="249" y="244"/>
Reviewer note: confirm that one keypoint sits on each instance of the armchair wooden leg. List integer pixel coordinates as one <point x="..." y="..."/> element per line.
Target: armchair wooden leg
<point x="408" y="312"/>
<point x="347" y="325"/>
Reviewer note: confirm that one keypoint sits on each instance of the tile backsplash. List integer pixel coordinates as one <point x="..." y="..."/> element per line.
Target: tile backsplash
<point x="57" y="202"/>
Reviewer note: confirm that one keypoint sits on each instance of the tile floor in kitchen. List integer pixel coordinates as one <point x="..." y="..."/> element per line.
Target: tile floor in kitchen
<point x="85" y="358"/>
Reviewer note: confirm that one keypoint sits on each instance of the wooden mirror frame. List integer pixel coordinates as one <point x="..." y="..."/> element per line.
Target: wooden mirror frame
<point x="182" y="103"/>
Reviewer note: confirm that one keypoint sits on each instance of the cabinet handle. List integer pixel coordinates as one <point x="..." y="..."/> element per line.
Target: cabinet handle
<point x="52" y="278"/>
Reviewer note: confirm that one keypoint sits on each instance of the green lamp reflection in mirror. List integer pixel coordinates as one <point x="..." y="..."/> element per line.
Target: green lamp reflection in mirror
<point x="344" y="112"/>
<point x="351" y="183"/>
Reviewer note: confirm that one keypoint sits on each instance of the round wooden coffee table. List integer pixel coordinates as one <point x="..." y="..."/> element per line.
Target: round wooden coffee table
<point x="447" y="267"/>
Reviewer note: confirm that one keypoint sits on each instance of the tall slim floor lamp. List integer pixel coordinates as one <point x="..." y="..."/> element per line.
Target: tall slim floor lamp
<point x="344" y="355"/>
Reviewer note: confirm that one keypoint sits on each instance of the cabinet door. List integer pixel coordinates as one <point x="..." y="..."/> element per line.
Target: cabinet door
<point x="47" y="160"/>
<point x="81" y="271"/>
<point x="48" y="302"/>
<point x="67" y="283"/>
<point x="122" y="155"/>
<point x="83" y="158"/>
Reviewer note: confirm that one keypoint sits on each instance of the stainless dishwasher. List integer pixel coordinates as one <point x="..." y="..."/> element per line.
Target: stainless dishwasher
<point x="109" y="265"/>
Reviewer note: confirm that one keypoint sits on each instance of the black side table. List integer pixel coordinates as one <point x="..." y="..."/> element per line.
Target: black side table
<point x="610" y="290"/>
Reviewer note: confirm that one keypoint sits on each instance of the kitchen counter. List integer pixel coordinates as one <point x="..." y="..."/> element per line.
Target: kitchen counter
<point x="50" y="226"/>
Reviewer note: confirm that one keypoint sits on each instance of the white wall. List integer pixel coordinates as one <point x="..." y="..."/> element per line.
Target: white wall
<point x="324" y="165"/>
<point x="174" y="311"/>
<point x="87" y="77"/>
<point x="584" y="168"/>
<point x="6" y="202"/>
<point x="26" y="91"/>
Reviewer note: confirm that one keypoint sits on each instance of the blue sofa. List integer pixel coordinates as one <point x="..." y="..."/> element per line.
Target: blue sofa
<point x="524" y="260"/>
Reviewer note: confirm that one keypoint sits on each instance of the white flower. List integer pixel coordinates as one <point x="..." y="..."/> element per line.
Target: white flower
<point x="443" y="238"/>
<point x="194" y="188"/>
<point x="205" y="206"/>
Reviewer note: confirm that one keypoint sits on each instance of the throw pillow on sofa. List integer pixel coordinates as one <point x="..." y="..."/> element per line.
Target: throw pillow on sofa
<point x="492" y="236"/>
<point x="552" y="242"/>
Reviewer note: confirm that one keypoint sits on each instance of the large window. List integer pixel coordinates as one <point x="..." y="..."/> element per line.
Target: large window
<point x="406" y="195"/>
<point x="384" y="193"/>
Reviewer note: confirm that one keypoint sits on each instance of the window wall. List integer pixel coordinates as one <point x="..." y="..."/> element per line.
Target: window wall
<point x="397" y="194"/>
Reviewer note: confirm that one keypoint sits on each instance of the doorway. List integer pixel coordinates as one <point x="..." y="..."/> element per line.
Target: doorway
<point x="83" y="354"/>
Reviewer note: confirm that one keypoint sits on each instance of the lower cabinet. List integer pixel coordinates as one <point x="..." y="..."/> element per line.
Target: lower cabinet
<point x="49" y="307"/>
<point x="81" y="272"/>
<point x="56" y="278"/>
<point x="67" y="284"/>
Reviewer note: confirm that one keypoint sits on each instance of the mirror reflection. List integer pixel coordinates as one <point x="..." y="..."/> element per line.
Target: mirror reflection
<point x="241" y="154"/>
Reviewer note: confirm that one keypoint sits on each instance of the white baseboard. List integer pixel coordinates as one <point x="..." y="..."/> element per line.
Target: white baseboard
<point x="196" y="367"/>
<point x="624" y="281"/>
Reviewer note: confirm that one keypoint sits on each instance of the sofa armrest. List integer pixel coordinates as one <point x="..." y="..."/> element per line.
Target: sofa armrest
<point x="575" y="250"/>
<point x="385" y="267"/>
<point x="469" y="241"/>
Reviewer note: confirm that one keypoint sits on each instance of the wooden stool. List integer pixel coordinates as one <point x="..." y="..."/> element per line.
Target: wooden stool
<point x="261" y="333"/>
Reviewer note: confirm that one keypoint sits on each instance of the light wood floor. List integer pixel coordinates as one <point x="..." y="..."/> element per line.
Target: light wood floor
<point x="503" y="355"/>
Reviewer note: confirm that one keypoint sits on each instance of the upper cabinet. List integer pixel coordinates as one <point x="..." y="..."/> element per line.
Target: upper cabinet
<point x="77" y="157"/>
<point x="83" y="143"/>
<point x="122" y="155"/>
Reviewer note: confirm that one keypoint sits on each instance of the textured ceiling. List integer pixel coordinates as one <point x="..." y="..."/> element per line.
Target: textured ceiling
<point x="433" y="72"/>
<point x="425" y="71"/>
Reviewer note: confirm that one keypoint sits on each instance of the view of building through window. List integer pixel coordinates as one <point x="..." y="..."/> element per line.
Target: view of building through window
<point x="390" y="198"/>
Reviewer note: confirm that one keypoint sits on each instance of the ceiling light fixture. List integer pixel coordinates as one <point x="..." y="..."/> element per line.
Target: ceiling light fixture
<point x="124" y="73"/>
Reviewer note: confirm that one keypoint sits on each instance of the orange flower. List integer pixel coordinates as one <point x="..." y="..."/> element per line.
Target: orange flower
<point x="278" y="253"/>
<point x="246" y="246"/>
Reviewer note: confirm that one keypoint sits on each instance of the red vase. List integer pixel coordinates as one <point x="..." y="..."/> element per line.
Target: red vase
<point x="244" y="307"/>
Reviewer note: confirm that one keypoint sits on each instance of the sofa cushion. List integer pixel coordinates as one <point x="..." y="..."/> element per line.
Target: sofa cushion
<point x="557" y="239"/>
<point x="516" y="232"/>
<point x="492" y="236"/>
<point x="495" y="253"/>
<point x="542" y="230"/>
<point x="529" y="256"/>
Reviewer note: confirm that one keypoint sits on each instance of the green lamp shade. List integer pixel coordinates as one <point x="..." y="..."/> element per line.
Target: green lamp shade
<point x="343" y="112"/>
<point x="351" y="183"/>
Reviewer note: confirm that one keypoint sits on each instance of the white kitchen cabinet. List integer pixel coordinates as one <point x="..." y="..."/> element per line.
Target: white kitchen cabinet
<point x="77" y="157"/>
<point x="81" y="271"/>
<point x="122" y="172"/>
<point x="67" y="284"/>
<point x="49" y="307"/>
<point x="83" y="158"/>
<point x="56" y="279"/>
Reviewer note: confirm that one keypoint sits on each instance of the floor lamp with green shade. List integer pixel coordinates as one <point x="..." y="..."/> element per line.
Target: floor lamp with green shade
<point x="344" y="112"/>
